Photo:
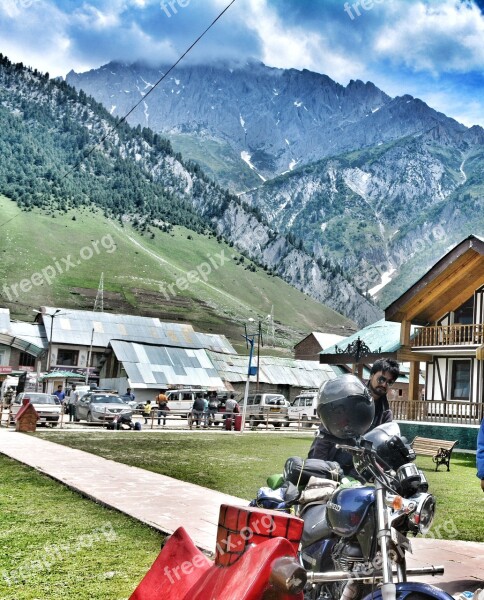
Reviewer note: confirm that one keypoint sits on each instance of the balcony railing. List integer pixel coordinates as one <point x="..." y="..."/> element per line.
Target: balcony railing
<point x="449" y="335"/>
<point x="438" y="411"/>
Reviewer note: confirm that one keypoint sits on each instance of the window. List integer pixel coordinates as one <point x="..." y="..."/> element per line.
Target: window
<point x="464" y="315"/>
<point x="95" y="358"/>
<point x="461" y="379"/>
<point x="67" y="358"/>
<point x="26" y="360"/>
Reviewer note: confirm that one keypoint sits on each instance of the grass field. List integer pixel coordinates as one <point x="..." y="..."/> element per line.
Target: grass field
<point x="56" y="545"/>
<point x="139" y="272"/>
<point x="240" y="464"/>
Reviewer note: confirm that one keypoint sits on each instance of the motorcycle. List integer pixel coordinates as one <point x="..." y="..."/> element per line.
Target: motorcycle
<point x="357" y="535"/>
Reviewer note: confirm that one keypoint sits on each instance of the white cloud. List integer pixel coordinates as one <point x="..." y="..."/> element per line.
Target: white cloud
<point x="289" y="46"/>
<point x="90" y="16"/>
<point x="443" y="37"/>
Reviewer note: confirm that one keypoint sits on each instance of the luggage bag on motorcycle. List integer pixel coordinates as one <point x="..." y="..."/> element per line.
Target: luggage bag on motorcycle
<point x="298" y="471"/>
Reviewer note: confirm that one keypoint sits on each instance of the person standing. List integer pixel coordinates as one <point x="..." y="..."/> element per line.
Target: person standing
<point x="71" y="402"/>
<point x="197" y="409"/>
<point x="61" y="395"/>
<point x="162" y="401"/>
<point x="231" y="406"/>
<point x="9" y="396"/>
<point x="147" y="411"/>
<point x="480" y="455"/>
<point x="213" y="403"/>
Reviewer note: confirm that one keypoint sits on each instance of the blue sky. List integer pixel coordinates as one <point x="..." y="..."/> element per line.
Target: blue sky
<point x="431" y="49"/>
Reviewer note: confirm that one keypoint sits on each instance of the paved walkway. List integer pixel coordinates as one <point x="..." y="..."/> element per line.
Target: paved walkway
<point x="165" y="504"/>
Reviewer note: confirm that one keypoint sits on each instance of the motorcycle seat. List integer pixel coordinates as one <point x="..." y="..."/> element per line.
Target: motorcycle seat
<point x="316" y="526"/>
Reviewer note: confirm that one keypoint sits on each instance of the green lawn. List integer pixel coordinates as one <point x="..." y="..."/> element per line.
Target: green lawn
<point x="55" y="544"/>
<point x="240" y="464"/>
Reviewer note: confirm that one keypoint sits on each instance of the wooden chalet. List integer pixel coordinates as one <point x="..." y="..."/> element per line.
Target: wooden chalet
<point x="442" y="320"/>
<point x="437" y="326"/>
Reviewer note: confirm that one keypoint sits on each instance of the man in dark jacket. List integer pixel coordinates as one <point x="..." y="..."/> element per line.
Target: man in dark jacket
<point x="383" y="375"/>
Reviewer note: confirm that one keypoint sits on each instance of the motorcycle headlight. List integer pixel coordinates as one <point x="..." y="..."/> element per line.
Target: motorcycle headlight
<point x="423" y="515"/>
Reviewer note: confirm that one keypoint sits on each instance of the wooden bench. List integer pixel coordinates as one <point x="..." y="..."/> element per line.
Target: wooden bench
<point x="439" y="450"/>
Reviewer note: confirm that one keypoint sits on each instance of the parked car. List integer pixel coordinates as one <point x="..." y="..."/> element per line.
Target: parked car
<point x="266" y="408"/>
<point x="101" y="407"/>
<point x="47" y="406"/>
<point x="303" y="409"/>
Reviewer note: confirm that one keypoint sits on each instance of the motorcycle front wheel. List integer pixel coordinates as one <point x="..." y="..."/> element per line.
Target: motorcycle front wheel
<point x="414" y="591"/>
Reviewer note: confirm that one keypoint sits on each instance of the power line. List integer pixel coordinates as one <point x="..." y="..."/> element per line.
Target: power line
<point x="123" y="119"/>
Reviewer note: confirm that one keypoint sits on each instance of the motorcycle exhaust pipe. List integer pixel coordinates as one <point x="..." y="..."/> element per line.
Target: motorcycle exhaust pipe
<point x="314" y="577"/>
<point x="288" y="576"/>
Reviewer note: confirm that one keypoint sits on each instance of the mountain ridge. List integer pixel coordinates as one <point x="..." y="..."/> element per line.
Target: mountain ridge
<point x="133" y="173"/>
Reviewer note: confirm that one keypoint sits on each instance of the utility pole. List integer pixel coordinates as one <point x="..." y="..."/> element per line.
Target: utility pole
<point x="99" y="302"/>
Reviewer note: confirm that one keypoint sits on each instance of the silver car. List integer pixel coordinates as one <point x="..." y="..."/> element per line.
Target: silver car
<point x="48" y="407"/>
<point x="97" y="407"/>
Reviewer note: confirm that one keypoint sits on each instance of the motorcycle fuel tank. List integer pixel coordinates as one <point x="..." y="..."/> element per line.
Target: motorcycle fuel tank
<point x="347" y="509"/>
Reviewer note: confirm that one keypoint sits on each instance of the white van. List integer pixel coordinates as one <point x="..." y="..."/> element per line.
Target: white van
<point x="268" y="409"/>
<point x="303" y="409"/>
<point x="181" y="401"/>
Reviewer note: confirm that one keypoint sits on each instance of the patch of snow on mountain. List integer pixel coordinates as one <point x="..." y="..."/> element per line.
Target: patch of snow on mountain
<point x="147" y="83"/>
<point x="245" y="156"/>
<point x="297" y="103"/>
<point x="112" y="109"/>
<point x="385" y="278"/>
<point x="292" y="164"/>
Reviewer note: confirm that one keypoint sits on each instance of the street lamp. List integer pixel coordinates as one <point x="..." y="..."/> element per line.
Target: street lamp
<point x="52" y="317"/>
<point x="250" y="339"/>
<point x="89" y="356"/>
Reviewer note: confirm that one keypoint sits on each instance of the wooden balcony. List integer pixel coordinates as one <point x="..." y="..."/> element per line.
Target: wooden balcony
<point x="448" y="335"/>
<point x="438" y="411"/>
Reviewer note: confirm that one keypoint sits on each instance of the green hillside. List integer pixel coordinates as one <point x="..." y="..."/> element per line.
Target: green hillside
<point x="53" y="258"/>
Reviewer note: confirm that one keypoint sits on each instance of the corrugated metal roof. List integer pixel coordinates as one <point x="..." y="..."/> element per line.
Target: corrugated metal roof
<point x="77" y="326"/>
<point x="28" y="337"/>
<point x="326" y="339"/>
<point x="215" y="342"/>
<point x="153" y="367"/>
<point x="273" y="370"/>
<point x="381" y="337"/>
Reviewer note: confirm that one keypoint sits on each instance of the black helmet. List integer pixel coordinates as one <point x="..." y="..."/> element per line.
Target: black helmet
<point x="345" y="406"/>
